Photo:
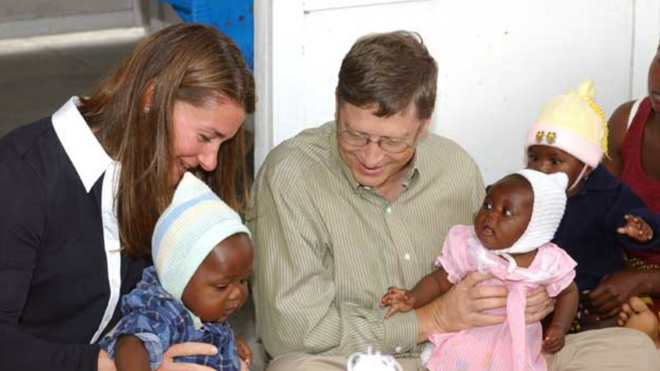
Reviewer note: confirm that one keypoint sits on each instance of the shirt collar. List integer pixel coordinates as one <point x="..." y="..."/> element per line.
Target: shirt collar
<point x="411" y="169"/>
<point x="85" y="152"/>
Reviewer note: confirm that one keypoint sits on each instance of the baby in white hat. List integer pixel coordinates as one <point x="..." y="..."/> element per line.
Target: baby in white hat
<point x="510" y="239"/>
<point x="202" y="261"/>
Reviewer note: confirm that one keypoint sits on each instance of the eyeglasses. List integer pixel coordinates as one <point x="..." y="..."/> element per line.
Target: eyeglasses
<point x="390" y="145"/>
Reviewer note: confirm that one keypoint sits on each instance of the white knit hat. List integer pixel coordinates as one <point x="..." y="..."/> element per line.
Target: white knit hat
<point x="548" y="209"/>
<point x="191" y="226"/>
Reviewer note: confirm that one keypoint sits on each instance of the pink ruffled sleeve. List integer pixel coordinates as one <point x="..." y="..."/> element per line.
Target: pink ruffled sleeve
<point x="454" y="254"/>
<point x="563" y="264"/>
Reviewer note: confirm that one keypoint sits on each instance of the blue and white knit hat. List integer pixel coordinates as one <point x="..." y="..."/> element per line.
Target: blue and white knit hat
<point x="191" y="226"/>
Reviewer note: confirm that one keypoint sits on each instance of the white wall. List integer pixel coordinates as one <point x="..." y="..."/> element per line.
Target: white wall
<point x="499" y="60"/>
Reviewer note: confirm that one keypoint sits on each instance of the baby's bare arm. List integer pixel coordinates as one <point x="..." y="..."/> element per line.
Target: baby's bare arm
<point x="430" y="287"/>
<point x="565" y="311"/>
<point x="131" y="355"/>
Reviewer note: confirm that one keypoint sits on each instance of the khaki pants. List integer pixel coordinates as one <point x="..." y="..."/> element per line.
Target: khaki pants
<point x="612" y="349"/>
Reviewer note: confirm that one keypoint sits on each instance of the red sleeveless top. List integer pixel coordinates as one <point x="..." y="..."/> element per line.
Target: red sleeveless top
<point x="633" y="174"/>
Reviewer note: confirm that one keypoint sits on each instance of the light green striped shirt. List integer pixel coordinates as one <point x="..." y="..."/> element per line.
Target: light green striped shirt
<point x="327" y="248"/>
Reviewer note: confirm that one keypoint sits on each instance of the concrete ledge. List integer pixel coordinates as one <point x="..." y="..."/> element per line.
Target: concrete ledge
<point x="67" y="24"/>
<point x="69" y="40"/>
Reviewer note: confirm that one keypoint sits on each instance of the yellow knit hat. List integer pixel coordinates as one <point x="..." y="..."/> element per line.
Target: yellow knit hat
<point x="574" y="123"/>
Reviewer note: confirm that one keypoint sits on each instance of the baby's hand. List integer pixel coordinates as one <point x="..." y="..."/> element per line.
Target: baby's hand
<point x="398" y="300"/>
<point x="243" y="365"/>
<point x="554" y="340"/>
<point x="244" y="352"/>
<point x="636" y="228"/>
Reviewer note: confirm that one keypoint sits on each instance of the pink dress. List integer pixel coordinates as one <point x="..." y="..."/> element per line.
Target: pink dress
<point x="512" y="345"/>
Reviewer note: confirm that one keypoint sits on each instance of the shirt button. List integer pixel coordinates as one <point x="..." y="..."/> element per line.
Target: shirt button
<point x="397" y="349"/>
<point x="388" y="210"/>
<point x="407" y="256"/>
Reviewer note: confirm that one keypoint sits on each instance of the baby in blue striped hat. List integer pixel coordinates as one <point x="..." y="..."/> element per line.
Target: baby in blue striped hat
<point x="202" y="260"/>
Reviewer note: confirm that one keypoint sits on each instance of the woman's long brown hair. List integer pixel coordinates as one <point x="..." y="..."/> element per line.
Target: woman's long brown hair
<point x="186" y="62"/>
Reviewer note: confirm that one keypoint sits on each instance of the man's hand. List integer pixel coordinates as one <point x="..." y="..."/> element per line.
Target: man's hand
<point x="462" y="307"/>
<point x="539" y="305"/>
<point x="636" y="228"/>
<point x="398" y="300"/>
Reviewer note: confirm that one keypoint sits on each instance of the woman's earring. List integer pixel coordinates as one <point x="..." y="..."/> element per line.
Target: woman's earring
<point x="147" y="109"/>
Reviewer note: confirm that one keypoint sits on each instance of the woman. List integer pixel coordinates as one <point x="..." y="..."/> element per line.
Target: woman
<point x="82" y="190"/>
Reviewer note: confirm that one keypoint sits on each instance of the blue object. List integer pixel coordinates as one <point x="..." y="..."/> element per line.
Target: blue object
<point x="233" y="17"/>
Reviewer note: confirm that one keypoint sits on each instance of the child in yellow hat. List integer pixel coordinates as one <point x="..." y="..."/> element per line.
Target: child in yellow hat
<point x="602" y="213"/>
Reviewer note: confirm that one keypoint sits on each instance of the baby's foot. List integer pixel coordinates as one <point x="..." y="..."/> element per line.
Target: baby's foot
<point x="636" y="315"/>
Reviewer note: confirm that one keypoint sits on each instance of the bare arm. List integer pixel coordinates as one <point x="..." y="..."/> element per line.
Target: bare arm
<point x="131" y="355"/>
<point x="617" y="125"/>
<point x="430" y="287"/>
<point x="565" y="310"/>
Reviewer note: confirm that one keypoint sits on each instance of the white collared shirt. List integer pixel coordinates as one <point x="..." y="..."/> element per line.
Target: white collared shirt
<point x="91" y="161"/>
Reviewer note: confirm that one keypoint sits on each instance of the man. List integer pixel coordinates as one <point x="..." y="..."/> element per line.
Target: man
<point x="343" y="211"/>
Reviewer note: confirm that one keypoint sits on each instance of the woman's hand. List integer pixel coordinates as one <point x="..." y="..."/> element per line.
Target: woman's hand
<point x="539" y="305"/>
<point x="176" y="350"/>
<point x="613" y="291"/>
<point x="462" y="307"/>
<point x="183" y="350"/>
<point x="105" y="363"/>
